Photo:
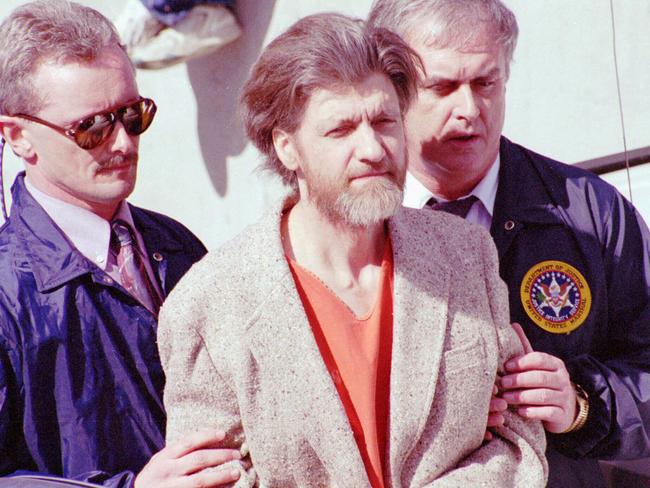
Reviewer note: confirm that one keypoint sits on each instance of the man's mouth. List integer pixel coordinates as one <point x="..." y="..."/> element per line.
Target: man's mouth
<point x="461" y="137"/>
<point x="116" y="167"/>
<point x="372" y="174"/>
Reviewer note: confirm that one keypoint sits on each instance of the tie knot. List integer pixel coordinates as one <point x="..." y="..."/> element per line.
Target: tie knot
<point x="122" y="233"/>
<point x="456" y="207"/>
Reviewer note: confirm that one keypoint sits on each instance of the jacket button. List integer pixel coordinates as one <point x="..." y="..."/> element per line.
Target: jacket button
<point x="509" y="225"/>
<point x="157" y="256"/>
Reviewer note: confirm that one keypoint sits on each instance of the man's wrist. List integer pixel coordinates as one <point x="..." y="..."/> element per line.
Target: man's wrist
<point x="582" y="400"/>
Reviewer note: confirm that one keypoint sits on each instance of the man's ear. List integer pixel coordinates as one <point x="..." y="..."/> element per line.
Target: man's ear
<point x="285" y="148"/>
<point x="13" y="132"/>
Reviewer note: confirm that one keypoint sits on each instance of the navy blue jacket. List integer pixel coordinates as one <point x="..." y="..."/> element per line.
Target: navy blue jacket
<point x="80" y="378"/>
<point x="549" y="211"/>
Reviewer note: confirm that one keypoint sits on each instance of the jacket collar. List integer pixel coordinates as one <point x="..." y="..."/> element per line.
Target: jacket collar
<point x="522" y="191"/>
<point x="42" y="245"/>
<point x="47" y="252"/>
<point x="523" y="196"/>
<point x="155" y="237"/>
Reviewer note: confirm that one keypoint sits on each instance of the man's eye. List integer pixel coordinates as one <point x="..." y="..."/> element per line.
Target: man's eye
<point x="441" y="88"/>
<point x="384" y="121"/>
<point x="485" y="83"/>
<point x="87" y="123"/>
<point x="338" y="131"/>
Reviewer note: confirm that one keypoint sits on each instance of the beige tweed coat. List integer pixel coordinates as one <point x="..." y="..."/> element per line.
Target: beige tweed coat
<point x="239" y="355"/>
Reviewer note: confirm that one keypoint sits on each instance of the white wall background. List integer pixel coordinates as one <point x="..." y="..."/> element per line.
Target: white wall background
<point x="196" y="165"/>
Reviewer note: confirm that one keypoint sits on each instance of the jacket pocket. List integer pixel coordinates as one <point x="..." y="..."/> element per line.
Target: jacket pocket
<point x="468" y="355"/>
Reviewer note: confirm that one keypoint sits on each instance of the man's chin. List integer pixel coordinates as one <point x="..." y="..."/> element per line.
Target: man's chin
<point x="378" y="188"/>
<point x="372" y="205"/>
<point x="115" y="191"/>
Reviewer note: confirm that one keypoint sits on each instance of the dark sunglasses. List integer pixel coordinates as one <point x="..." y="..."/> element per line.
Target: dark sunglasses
<point x="95" y="129"/>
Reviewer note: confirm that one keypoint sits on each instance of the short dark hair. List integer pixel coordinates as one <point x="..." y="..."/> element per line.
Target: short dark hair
<point x="319" y="51"/>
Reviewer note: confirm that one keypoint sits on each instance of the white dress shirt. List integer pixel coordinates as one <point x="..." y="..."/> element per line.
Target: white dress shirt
<point x="416" y="195"/>
<point x="89" y="233"/>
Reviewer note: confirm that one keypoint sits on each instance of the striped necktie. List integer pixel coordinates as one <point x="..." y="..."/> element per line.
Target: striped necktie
<point x="133" y="274"/>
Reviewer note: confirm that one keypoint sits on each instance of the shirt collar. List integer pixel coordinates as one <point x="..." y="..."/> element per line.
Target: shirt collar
<point x="416" y="195"/>
<point x="88" y="233"/>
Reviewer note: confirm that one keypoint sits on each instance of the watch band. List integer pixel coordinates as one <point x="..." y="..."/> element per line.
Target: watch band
<point x="583" y="409"/>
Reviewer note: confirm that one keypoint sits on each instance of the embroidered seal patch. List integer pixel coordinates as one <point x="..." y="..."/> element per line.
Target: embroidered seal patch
<point x="556" y="296"/>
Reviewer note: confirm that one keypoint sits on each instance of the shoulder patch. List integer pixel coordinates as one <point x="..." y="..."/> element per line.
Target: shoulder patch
<point x="555" y="296"/>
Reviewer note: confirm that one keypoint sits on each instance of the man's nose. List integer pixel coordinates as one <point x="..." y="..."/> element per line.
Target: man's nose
<point x="121" y="141"/>
<point x="465" y="103"/>
<point x="370" y="148"/>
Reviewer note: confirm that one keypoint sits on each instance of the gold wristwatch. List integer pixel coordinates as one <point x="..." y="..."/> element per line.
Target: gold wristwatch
<point x="583" y="409"/>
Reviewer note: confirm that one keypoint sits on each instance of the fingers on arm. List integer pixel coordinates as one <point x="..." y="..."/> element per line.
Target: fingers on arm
<point x="212" y="478"/>
<point x="536" y="396"/>
<point x="522" y="338"/>
<point x="194" y="461"/>
<point x="495" y="420"/>
<point x="201" y="439"/>
<point x="206" y="458"/>
<point x="535" y="361"/>
<point x="541" y="389"/>
<point x="546" y="413"/>
<point x="552" y="380"/>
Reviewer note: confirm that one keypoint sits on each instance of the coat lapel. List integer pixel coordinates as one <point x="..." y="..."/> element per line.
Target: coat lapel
<point x="298" y="367"/>
<point x="162" y="249"/>
<point x="421" y="288"/>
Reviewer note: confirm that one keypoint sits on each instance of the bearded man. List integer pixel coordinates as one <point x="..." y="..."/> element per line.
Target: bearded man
<point x="343" y="340"/>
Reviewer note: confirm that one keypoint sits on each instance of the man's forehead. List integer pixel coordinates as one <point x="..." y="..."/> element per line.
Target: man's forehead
<point x="374" y="93"/>
<point x="430" y="33"/>
<point x="476" y="56"/>
<point x="111" y="57"/>
<point x="85" y="84"/>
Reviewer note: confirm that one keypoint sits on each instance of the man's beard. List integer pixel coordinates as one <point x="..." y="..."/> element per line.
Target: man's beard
<point x="373" y="202"/>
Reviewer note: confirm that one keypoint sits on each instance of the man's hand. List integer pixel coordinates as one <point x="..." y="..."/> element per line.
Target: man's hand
<point x="539" y="385"/>
<point x="495" y="415"/>
<point x="183" y="464"/>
